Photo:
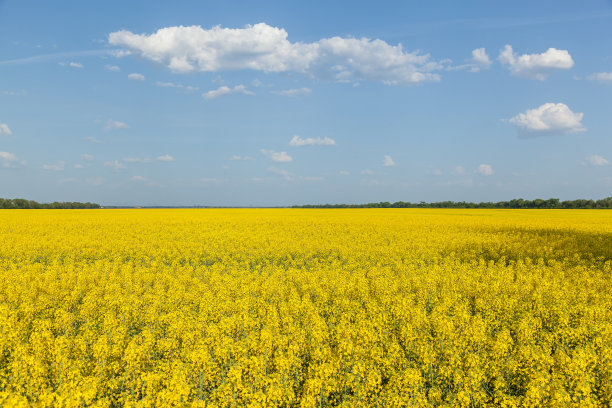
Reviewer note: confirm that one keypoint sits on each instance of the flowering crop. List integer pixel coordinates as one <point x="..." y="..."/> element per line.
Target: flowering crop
<point x="306" y="308"/>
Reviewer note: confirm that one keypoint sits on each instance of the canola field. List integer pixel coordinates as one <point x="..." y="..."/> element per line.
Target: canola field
<point x="306" y="308"/>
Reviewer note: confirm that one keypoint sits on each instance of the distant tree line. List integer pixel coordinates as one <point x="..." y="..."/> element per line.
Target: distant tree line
<point x="516" y="203"/>
<point x="21" y="203"/>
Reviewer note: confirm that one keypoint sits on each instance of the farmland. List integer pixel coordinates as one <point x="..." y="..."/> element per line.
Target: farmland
<point x="306" y="308"/>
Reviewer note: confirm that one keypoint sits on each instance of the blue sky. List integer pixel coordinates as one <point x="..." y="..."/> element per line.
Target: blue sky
<point x="281" y="103"/>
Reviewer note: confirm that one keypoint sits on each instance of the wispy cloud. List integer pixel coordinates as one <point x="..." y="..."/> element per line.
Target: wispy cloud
<point x="5" y="130"/>
<point x="292" y="92"/>
<point x="115" y="125"/>
<point x="310" y="141"/>
<point x="8" y="159"/>
<point x="387" y="161"/>
<point x="236" y="157"/>
<point x="54" y="57"/>
<point x="59" y="166"/>
<point x="225" y="90"/>
<point x="279" y="157"/>
<point x="136" y="76"/>
<point x="603" y="77"/>
<point x="165" y="158"/>
<point x="187" y="88"/>
<point x="485" y="170"/>
<point x="596" y="160"/>
<point x="115" y="165"/>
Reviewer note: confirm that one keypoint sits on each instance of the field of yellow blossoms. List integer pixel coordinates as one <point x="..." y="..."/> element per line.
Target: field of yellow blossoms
<point x="305" y="308"/>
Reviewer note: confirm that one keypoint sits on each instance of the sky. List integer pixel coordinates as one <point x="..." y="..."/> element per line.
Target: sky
<point x="219" y="103"/>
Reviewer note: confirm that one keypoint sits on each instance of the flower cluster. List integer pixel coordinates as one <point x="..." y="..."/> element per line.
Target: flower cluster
<point x="305" y="308"/>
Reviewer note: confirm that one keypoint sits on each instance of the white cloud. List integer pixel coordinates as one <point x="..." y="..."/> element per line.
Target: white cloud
<point x="265" y="48"/>
<point x="236" y="157"/>
<point x="115" y="125"/>
<point x="95" y="181"/>
<point x="140" y="179"/>
<point x="535" y="66"/>
<point x="87" y="157"/>
<point x="187" y="88"/>
<point x="309" y="141"/>
<point x="292" y="92"/>
<point x="434" y="171"/>
<point x="387" y="161"/>
<point x="279" y="157"/>
<point x="7" y="159"/>
<point x="480" y="59"/>
<point x="5" y="130"/>
<point x="136" y="77"/>
<point x="137" y="160"/>
<point x="92" y="139"/>
<point x="55" y="167"/>
<point x="344" y="173"/>
<point x="211" y="180"/>
<point x="116" y="165"/>
<point x="485" y="170"/>
<point x="75" y="64"/>
<point x="367" y="172"/>
<point x="15" y="93"/>
<point x="281" y="172"/>
<point x="165" y="158"/>
<point x="226" y="90"/>
<point x="603" y="77"/>
<point x="549" y="118"/>
<point x="113" y="68"/>
<point x="78" y="166"/>
<point x="596" y="160"/>
<point x="458" y="171"/>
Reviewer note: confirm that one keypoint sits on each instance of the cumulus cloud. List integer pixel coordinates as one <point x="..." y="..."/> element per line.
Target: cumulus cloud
<point x="310" y="141"/>
<point x="113" y="68"/>
<point x="5" y="130"/>
<point x="226" y="90"/>
<point x="262" y="47"/>
<point x="480" y="59"/>
<point x="87" y="157"/>
<point x="59" y="166"/>
<point x="596" y="160"/>
<point x="7" y="159"/>
<point x="75" y="64"/>
<point x="136" y="77"/>
<point x="485" y="170"/>
<point x="603" y="77"/>
<point x="549" y="118"/>
<point x="116" y="165"/>
<point x="279" y="157"/>
<point x="236" y="157"/>
<point x="292" y="92"/>
<point x="387" y="161"/>
<point x="535" y="66"/>
<point x="165" y="158"/>
<point x="115" y="125"/>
